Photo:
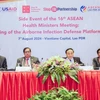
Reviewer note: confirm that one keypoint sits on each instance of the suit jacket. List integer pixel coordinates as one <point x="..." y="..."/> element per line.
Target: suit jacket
<point x="96" y="63"/>
<point x="21" y="61"/>
<point x="3" y="62"/>
<point x="77" y="60"/>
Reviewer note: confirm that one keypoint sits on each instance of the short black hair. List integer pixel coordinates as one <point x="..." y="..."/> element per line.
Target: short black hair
<point x="25" y="49"/>
<point x="98" y="50"/>
<point x="69" y="49"/>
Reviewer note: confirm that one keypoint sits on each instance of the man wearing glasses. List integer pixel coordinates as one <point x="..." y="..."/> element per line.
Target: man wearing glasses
<point x="27" y="60"/>
<point x="70" y="57"/>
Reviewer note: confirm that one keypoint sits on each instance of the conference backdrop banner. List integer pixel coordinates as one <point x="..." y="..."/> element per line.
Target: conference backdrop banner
<point x="49" y="27"/>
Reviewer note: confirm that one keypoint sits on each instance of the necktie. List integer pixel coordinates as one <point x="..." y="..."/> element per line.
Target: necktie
<point x="26" y="63"/>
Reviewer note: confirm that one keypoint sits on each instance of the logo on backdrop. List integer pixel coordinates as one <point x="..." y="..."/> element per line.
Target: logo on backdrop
<point x="8" y="9"/>
<point x="90" y="8"/>
<point x="29" y="9"/>
<point x="83" y="9"/>
<point x="26" y="9"/>
<point x="55" y="9"/>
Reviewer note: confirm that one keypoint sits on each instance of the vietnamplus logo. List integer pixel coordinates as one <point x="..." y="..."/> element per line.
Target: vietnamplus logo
<point x="83" y="9"/>
<point x="5" y="1"/>
<point x="55" y="9"/>
<point x="90" y="8"/>
<point x="28" y="9"/>
<point x="8" y="9"/>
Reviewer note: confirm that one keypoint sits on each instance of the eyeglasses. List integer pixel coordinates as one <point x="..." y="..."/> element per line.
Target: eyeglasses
<point x="27" y="51"/>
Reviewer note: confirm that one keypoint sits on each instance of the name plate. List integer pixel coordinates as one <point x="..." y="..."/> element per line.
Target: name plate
<point x="23" y="68"/>
<point x="86" y="67"/>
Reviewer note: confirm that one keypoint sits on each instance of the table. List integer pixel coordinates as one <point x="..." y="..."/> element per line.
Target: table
<point x="22" y="85"/>
<point x="89" y="86"/>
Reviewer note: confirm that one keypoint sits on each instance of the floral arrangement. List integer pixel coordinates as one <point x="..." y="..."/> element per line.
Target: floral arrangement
<point x="59" y="93"/>
<point x="58" y="68"/>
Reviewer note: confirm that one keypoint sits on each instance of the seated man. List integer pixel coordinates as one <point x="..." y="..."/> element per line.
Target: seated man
<point x="3" y="63"/>
<point x="96" y="61"/>
<point x="27" y="60"/>
<point x="70" y="57"/>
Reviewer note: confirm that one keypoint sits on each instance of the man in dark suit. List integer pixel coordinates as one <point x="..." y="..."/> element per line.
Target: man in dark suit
<point x="3" y="63"/>
<point x="96" y="61"/>
<point x="70" y="57"/>
<point x="27" y="60"/>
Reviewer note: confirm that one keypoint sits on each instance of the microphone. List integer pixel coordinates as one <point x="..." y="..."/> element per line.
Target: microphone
<point x="19" y="64"/>
<point x="38" y="75"/>
<point x="41" y="60"/>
